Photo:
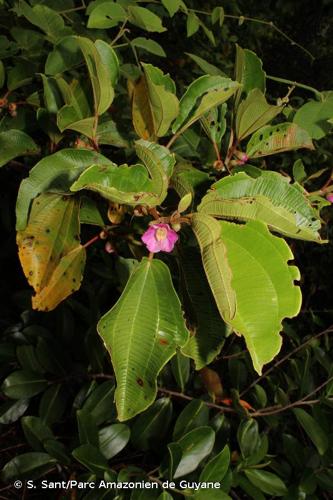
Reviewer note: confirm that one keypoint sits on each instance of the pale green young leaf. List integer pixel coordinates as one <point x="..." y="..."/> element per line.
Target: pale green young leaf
<point x="156" y="327"/>
<point x="269" y="198"/>
<point x="273" y="139"/>
<point x="14" y="143"/>
<point x="215" y="261"/>
<point x="263" y="283"/>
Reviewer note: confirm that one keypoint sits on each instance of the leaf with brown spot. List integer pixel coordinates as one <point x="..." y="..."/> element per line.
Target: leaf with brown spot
<point x="49" y="249"/>
<point x="65" y="280"/>
<point x="274" y="139"/>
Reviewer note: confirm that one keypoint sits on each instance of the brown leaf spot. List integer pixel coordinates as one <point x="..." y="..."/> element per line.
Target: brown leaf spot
<point x="139" y="381"/>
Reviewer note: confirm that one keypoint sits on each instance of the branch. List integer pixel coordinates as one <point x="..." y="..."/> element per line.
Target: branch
<point x="284" y="358"/>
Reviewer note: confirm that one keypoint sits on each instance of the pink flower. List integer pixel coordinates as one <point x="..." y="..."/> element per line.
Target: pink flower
<point x="160" y="238"/>
<point x="329" y="198"/>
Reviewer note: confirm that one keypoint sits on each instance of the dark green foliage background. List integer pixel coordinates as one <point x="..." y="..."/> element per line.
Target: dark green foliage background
<point x="63" y="345"/>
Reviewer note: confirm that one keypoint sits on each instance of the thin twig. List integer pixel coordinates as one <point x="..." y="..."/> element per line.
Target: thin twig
<point x="265" y="23"/>
<point x="284" y="358"/>
<point x="296" y="84"/>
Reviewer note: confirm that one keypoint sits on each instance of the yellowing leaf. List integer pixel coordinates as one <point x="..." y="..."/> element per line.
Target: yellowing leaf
<point x="65" y="280"/>
<point x="154" y="104"/>
<point x="49" y="250"/>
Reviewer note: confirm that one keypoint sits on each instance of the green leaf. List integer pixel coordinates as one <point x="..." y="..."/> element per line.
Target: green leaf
<point x="57" y="450"/>
<point x="203" y="94"/>
<point x="152" y="425"/>
<point x="54" y="173"/>
<point x="87" y="427"/>
<point x="312" y="429"/>
<point x="11" y="411"/>
<point x="46" y="19"/>
<point x="194" y="415"/>
<point x="23" y="384"/>
<point x="215" y="261"/>
<point x="28" y="465"/>
<point x="92" y="458"/>
<point x="209" y="330"/>
<point x="173" y="6"/>
<point x="184" y="203"/>
<point x="50" y="254"/>
<point x="52" y="404"/>
<point x="106" y="15"/>
<point x="2" y="74"/>
<point x="313" y="117"/>
<point x="132" y="185"/>
<point x="100" y="403"/>
<point x="217" y="467"/>
<point x="248" y="437"/>
<point x="206" y="67"/>
<point x="154" y="104"/>
<point x="274" y="139"/>
<point x="214" y="124"/>
<point x="103" y="68"/>
<point x="108" y="133"/>
<point x="14" y="143"/>
<point x="269" y="198"/>
<point x="299" y="173"/>
<point x="149" y="46"/>
<point x="180" y="367"/>
<point x="157" y="327"/>
<point x="253" y="113"/>
<point x="36" y="432"/>
<point x="89" y="212"/>
<point x="188" y="179"/>
<point x="145" y="19"/>
<point x="192" y="24"/>
<point x="218" y="16"/>
<point x="267" y="482"/>
<point x="264" y="286"/>
<point x="113" y="439"/>
<point x="249" y="72"/>
<point x="195" y="446"/>
<point x="65" y="55"/>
